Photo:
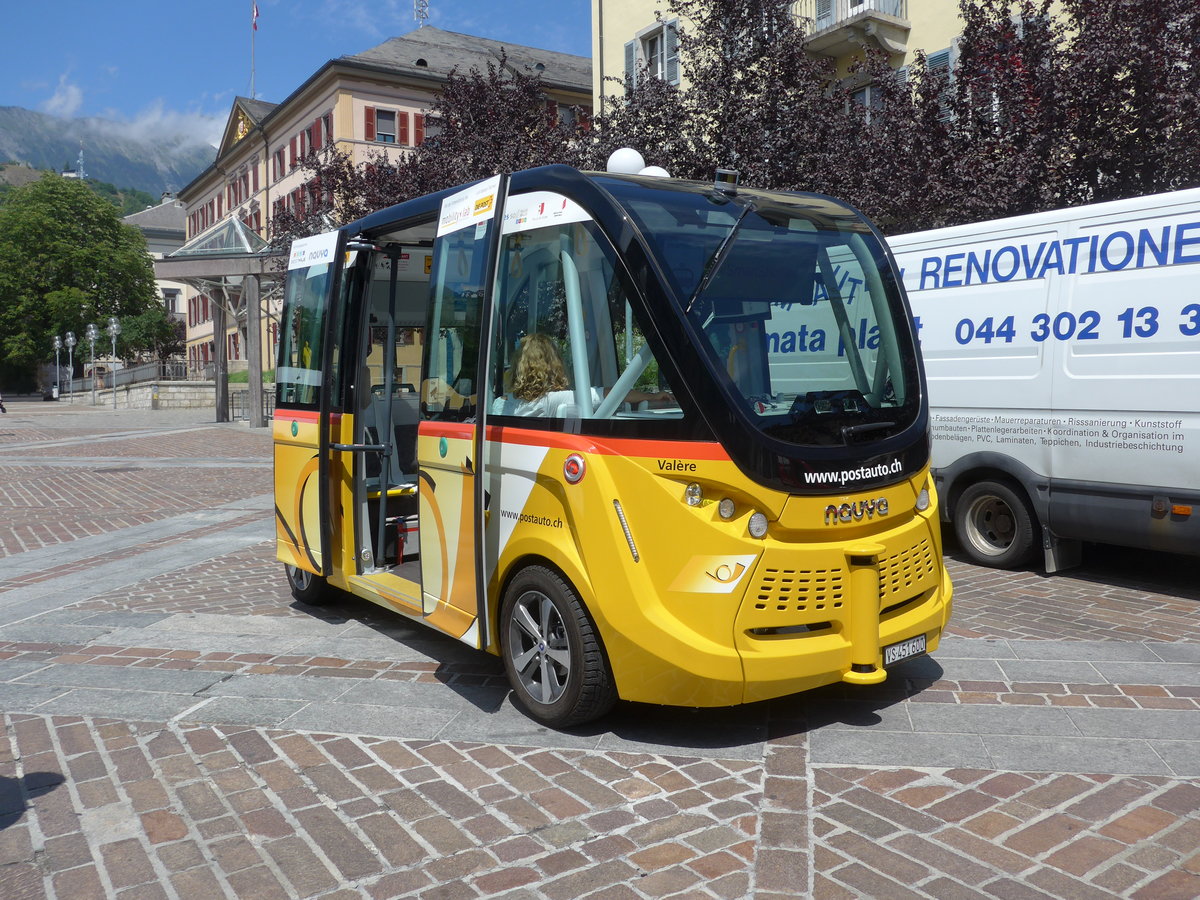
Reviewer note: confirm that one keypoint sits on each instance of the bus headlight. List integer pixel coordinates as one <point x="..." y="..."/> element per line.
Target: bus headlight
<point x="693" y="495"/>
<point x="923" y="499"/>
<point x="726" y="508"/>
<point x="758" y="525"/>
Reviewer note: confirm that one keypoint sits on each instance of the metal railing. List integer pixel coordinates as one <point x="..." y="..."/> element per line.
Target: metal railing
<point x="828" y="13"/>
<point x="239" y="403"/>
<point x="152" y="371"/>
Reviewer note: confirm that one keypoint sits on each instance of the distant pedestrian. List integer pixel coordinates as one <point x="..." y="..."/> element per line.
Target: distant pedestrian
<point x="2" y="409"/>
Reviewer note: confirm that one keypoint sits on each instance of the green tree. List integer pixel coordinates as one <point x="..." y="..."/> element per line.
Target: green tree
<point x="66" y="259"/>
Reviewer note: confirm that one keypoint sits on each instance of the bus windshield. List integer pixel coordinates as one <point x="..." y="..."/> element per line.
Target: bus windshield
<point x="794" y="305"/>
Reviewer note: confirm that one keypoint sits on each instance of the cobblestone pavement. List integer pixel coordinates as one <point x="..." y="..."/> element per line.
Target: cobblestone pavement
<point x="174" y="725"/>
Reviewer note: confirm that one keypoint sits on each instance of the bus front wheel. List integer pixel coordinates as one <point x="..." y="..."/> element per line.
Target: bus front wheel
<point x="552" y="653"/>
<point x="307" y="587"/>
<point x="994" y="525"/>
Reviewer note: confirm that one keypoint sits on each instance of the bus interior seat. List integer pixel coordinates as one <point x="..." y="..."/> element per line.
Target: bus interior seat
<point x="402" y="468"/>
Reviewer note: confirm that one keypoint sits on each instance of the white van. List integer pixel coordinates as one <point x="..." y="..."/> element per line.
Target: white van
<point x="1062" y="351"/>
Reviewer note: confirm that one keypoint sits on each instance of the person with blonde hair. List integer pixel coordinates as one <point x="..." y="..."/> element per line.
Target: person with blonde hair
<point x="538" y="369"/>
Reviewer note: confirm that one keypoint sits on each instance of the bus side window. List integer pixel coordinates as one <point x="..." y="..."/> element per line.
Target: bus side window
<point x="566" y="336"/>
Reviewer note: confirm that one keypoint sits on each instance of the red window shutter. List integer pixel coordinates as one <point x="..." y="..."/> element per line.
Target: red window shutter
<point x="418" y="129"/>
<point x="316" y="133"/>
<point x="255" y="182"/>
<point x="292" y="156"/>
<point x="402" y="128"/>
<point x="369" y="124"/>
<point x="552" y="112"/>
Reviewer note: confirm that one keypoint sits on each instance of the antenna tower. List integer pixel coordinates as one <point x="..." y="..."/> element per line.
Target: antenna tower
<point x="420" y="11"/>
<point x="79" y="172"/>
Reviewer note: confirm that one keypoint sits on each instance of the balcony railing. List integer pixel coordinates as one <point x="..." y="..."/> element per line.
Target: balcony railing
<point x="829" y="13"/>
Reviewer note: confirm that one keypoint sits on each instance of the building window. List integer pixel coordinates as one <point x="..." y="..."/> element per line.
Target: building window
<point x="869" y="98"/>
<point x="654" y="52"/>
<point x="652" y="47"/>
<point x="385" y="126"/>
<point x="171" y="300"/>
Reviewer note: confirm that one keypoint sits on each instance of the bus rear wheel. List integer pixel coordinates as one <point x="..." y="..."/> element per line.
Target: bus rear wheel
<point x="994" y="525"/>
<point x="552" y="652"/>
<point x="307" y="587"/>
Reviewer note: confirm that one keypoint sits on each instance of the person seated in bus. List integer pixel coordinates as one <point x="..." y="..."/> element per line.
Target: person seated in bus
<point x="540" y="386"/>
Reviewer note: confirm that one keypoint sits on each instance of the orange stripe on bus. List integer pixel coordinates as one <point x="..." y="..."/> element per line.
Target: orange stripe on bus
<point x="632" y="447"/>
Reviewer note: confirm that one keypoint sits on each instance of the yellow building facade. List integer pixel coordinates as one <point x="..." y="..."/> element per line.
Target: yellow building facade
<point x="626" y="33"/>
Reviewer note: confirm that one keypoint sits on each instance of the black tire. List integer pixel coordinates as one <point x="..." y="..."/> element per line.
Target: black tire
<point x="307" y="587"/>
<point x="995" y="526"/>
<point x="552" y="652"/>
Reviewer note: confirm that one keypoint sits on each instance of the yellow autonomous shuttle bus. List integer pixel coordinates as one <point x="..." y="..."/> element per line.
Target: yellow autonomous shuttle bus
<point x="721" y="496"/>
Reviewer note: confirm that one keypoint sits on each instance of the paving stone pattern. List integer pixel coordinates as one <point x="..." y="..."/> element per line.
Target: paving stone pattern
<point x="174" y="725"/>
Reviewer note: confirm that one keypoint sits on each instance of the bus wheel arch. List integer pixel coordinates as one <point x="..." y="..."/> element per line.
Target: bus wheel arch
<point x="552" y="650"/>
<point x="994" y="521"/>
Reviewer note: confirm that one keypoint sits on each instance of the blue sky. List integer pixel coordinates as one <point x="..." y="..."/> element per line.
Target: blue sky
<point x="176" y="66"/>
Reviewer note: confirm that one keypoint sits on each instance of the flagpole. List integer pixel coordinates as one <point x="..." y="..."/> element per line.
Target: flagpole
<point x="253" y="32"/>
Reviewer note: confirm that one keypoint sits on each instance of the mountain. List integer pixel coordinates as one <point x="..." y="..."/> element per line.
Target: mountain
<point x="112" y="152"/>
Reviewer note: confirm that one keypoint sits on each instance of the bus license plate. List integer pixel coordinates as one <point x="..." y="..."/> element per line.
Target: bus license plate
<point x="894" y="653"/>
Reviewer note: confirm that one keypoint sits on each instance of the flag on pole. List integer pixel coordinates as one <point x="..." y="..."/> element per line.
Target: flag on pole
<point x="254" y="17"/>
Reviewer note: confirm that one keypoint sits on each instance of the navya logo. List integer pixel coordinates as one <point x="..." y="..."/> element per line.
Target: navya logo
<point x="301" y="256"/>
<point x="855" y="512"/>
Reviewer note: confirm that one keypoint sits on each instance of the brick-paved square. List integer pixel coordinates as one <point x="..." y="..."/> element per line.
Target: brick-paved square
<point x="175" y="725"/>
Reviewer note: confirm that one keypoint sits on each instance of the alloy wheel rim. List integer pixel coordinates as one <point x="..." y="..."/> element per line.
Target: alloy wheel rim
<point x="300" y="577"/>
<point x="538" y="647"/>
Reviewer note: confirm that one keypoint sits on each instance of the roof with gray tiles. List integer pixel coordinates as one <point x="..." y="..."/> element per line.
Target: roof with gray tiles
<point x="169" y="215"/>
<point x="431" y="50"/>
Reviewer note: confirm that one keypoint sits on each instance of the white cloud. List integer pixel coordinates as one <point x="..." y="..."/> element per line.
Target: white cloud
<point x="66" y="100"/>
<point x="170" y="127"/>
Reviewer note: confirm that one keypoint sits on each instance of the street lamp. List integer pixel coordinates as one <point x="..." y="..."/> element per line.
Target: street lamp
<point x="114" y="328"/>
<point x="70" y="342"/>
<point x="57" y="368"/>
<point x="91" y="333"/>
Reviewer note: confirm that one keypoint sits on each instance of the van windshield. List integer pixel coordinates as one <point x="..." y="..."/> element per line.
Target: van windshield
<point x="795" y="306"/>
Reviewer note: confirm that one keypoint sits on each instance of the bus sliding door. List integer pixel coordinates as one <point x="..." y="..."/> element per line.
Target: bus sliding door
<point x="451" y="431"/>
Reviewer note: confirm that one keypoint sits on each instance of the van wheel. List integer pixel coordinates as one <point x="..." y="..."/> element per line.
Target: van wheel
<point x="994" y="525"/>
<point x="552" y="653"/>
<point x="307" y="587"/>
